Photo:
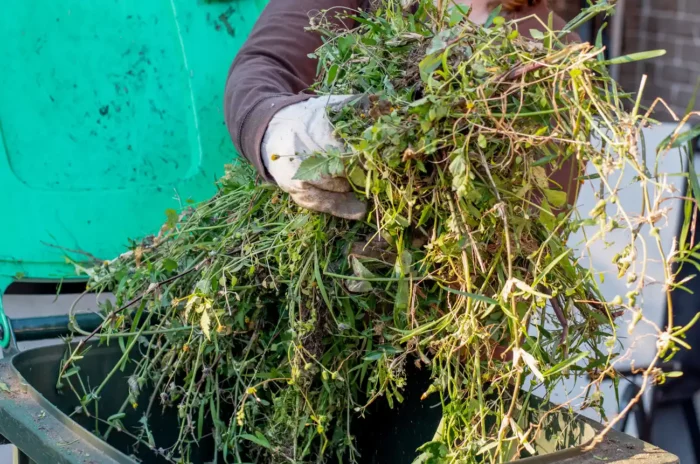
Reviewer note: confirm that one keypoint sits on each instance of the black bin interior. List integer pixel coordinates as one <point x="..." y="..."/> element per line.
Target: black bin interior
<point x="40" y="368"/>
<point x="384" y="436"/>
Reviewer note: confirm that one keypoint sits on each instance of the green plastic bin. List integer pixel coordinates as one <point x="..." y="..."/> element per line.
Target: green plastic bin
<point x="111" y="112"/>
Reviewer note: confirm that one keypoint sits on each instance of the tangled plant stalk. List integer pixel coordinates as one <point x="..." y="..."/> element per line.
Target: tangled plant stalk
<point x="274" y="329"/>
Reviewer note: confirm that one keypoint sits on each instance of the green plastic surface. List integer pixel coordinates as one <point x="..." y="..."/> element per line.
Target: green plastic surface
<point x="111" y="112"/>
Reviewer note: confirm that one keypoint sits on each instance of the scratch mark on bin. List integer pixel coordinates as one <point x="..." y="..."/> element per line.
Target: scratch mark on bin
<point x="195" y="116"/>
<point x="224" y="18"/>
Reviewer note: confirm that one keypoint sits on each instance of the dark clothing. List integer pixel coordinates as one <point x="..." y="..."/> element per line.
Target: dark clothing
<point x="272" y="70"/>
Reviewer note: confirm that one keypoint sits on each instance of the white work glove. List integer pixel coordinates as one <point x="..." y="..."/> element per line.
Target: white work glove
<point x="293" y="134"/>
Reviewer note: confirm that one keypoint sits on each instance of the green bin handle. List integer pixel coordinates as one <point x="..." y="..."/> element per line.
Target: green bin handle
<point x="4" y="321"/>
<point x="5" y="327"/>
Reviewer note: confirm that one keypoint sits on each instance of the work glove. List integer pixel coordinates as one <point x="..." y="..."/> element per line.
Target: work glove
<point x="295" y="133"/>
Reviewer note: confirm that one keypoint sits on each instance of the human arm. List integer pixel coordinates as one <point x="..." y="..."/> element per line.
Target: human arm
<point x="267" y="83"/>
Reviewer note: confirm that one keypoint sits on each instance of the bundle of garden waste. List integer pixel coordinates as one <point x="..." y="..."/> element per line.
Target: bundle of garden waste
<point x="271" y="329"/>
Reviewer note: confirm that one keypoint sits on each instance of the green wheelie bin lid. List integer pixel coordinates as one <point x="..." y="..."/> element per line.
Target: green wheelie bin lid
<point x="111" y="112"/>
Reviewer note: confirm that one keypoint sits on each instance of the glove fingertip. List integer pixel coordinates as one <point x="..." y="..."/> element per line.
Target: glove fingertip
<point x="342" y="205"/>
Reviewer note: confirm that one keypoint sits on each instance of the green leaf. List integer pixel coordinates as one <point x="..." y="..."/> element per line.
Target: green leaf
<point x="541" y="178"/>
<point x="536" y="34"/>
<point x="4" y="387"/>
<point x="483" y="143"/>
<point x="425" y="215"/>
<point x="359" y="269"/>
<point x="317" y="167"/>
<point x="439" y="42"/>
<point x="389" y="349"/>
<point x="72" y="371"/>
<point x="402" y="221"/>
<point x="381" y="351"/>
<point x="259" y="439"/>
<point x="345" y="43"/>
<point x="433" y="452"/>
<point x="173" y="217"/>
<point x="473" y="296"/>
<point x="429" y="64"/>
<point x="319" y="281"/>
<point x="676" y="141"/>
<point x="205" y="324"/>
<point x="374" y="356"/>
<point x="566" y="363"/>
<point x="494" y="14"/>
<point x="458" y="13"/>
<point x="692" y="175"/>
<point x="357" y="177"/>
<point x="499" y="21"/>
<point x="687" y="217"/>
<point x="556" y="198"/>
<point x="169" y="265"/>
<point x="332" y="73"/>
<point x="599" y="42"/>
<point x="358" y="286"/>
<point x="114" y="417"/>
<point x="402" y="296"/>
<point x="548" y="38"/>
<point x="458" y="166"/>
<point x="546" y="217"/>
<point x="335" y="166"/>
<point x="359" y="19"/>
<point x="632" y="57"/>
<point x="421" y="102"/>
<point x="312" y="168"/>
<point x="545" y="160"/>
<point x="200" y="421"/>
<point x="545" y="272"/>
<point x="487" y="447"/>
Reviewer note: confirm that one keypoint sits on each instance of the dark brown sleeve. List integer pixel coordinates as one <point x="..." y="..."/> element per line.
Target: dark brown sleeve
<point x="272" y="70"/>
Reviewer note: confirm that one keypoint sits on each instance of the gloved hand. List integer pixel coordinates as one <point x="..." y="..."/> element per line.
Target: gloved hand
<point x="293" y="134"/>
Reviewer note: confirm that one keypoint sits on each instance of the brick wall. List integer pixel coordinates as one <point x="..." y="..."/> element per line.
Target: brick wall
<point x="673" y="25"/>
<point x="567" y="9"/>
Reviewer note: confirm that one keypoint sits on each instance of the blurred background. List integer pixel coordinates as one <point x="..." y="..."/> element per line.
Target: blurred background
<point x="668" y="415"/>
